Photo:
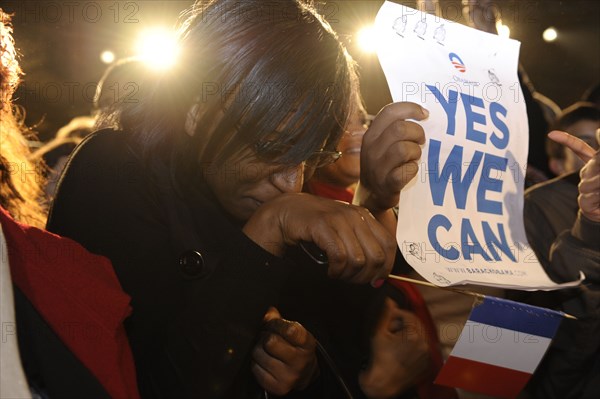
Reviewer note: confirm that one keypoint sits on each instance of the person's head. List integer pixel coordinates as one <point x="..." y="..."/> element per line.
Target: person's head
<point x="261" y="87"/>
<point x="581" y="120"/>
<point x="20" y="179"/>
<point x="346" y="171"/>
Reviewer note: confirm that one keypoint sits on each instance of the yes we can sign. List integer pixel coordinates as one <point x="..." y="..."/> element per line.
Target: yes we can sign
<point x="460" y="219"/>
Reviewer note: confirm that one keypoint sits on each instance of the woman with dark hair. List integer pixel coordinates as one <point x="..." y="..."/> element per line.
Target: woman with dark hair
<point x="195" y="198"/>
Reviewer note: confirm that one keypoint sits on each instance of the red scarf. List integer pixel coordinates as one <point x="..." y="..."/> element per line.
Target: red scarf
<point x="73" y="289"/>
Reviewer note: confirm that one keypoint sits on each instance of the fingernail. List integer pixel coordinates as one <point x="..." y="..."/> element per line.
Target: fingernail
<point x="425" y="112"/>
<point x="377" y="283"/>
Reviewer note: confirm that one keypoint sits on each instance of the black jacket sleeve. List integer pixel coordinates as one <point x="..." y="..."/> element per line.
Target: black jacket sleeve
<point x="571" y="365"/>
<point x="194" y="319"/>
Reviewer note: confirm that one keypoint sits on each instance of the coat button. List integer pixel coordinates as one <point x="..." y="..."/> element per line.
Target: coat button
<point x="191" y="263"/>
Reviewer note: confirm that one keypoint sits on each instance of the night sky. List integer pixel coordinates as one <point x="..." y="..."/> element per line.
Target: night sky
<point x="61" y="43"/>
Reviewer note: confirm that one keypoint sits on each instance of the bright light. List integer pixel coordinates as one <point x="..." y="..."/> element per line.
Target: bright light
<point x="158" y="48"/>
<point x="503" y="30"/>
<point x="107" y="56"/>
<point x="550" y="34"/>
<point x="367" y="39"/>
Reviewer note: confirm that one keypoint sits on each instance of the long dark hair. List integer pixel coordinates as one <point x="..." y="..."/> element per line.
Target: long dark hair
<point x="248" y="68"/>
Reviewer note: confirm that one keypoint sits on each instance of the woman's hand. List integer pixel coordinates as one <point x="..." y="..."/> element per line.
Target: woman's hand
<point x="359" y="249"/>
<point x="399" y="354"/>
<point x="390" y="153"/>
<point x="589" y="185"/>
<point x="285" y="356"/>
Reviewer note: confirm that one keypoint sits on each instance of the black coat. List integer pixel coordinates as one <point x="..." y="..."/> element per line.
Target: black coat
<point x="199" y="286"/>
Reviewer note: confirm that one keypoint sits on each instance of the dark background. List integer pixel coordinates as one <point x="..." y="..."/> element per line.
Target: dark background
<point x="61" y="42"/>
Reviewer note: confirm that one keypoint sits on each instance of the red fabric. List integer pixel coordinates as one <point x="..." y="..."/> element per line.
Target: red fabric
<point x="79" y="296"/>
<point x="426" y="389"/>
<point x="329" y="191"/>
<point x="475" y="376"/>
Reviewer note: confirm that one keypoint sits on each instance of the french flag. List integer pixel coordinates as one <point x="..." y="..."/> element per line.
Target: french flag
<point x="500" y="347"/>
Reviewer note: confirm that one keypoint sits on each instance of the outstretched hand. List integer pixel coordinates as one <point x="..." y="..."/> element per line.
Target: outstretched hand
<point x="284" y="358"/>
<point x="589" y="186"/>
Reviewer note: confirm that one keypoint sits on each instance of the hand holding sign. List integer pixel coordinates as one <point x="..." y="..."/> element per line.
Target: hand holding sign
<point x="589" y="186"/>
<point x="390" y="154"/>
<point x="463" y="215"/>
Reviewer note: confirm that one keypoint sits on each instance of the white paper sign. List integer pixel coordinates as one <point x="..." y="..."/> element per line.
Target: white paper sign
<point x="460" y="220"/>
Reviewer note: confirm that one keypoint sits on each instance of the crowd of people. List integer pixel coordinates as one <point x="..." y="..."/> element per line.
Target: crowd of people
<point x="177" y="255"/>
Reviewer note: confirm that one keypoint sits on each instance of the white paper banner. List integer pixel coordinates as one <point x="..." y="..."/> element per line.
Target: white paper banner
<point x="460" y="219"/>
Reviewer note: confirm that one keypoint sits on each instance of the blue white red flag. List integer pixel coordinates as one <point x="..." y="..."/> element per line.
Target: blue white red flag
<point x="500" y="347"/>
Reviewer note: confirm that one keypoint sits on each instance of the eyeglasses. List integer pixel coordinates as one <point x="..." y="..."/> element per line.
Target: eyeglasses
<point x="270" y="151"/>
<point x="319" y="159"/>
